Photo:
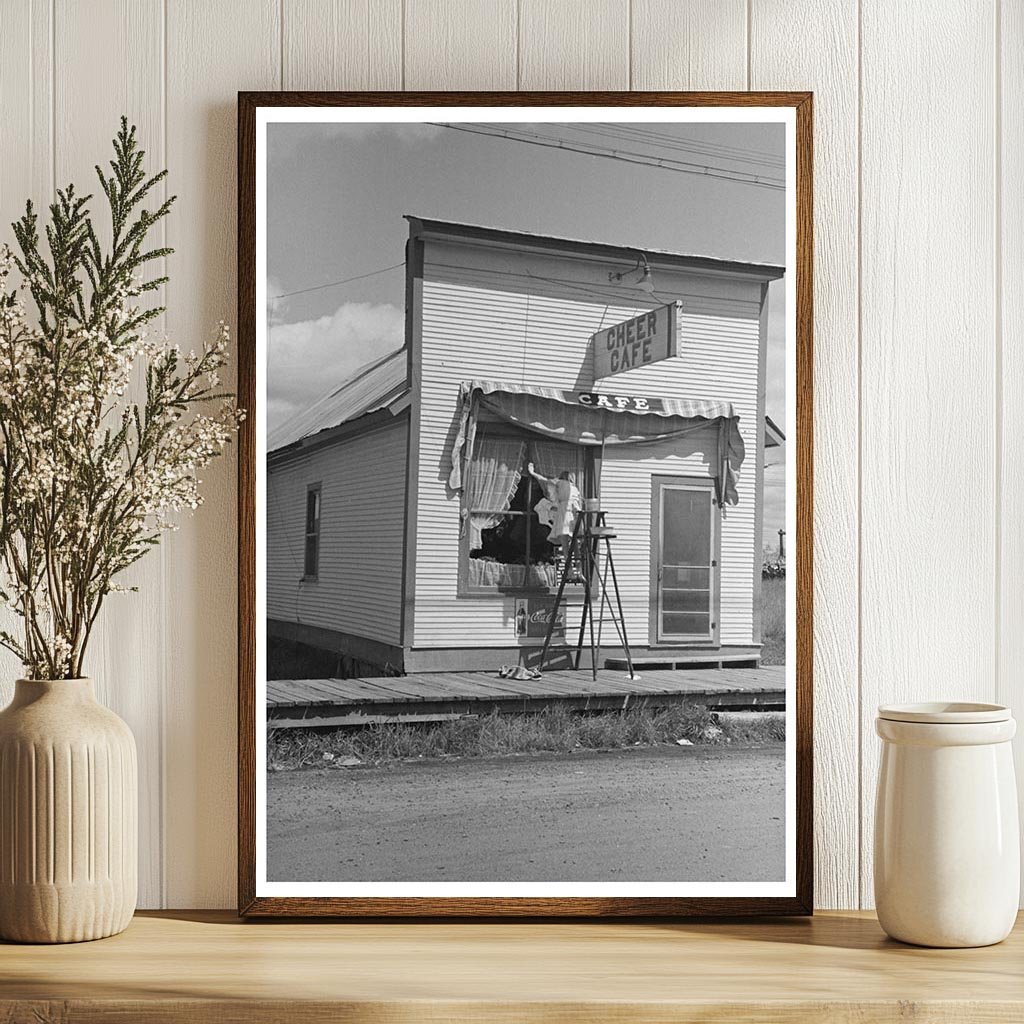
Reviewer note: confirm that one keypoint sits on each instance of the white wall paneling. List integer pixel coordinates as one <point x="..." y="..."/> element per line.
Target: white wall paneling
<point x="127" y="640"/>
<point x="919" y="163"/>
<point x="831" y="72"/>
<point x="1009" y="314"/>
<point x="213" y="50"/>
<point x="928" y="408"/>
<point x="26" y="105"/>
<point x="26" y="157"/>
<point x="460" y="44"/>
<point x="697" y="44"/>
<point x="574" y="44"/>
<point x="342" y="44"/>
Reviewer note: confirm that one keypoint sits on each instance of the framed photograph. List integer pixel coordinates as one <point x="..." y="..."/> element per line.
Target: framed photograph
<point x="525" y="504"/>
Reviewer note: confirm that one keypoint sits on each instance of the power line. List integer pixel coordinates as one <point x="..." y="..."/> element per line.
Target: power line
<point x="740" y="153"/>
<point x="694" y="151"/>
<point x="690" y="149"/>
<point x="625" y="156"/>
<point x="595" y="149"/>
<point x="332" y="284"/>
<point x="681" y="146"/>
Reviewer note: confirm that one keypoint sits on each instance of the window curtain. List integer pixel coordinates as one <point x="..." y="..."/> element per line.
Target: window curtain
<point x="551" y="458"/>
<point x="495" y="474"/>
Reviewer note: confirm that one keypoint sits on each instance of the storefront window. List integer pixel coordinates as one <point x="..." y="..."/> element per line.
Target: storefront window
<point x="506" y="545"/>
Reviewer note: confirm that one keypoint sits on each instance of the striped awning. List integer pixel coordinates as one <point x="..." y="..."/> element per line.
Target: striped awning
<point x="589" y="418"/>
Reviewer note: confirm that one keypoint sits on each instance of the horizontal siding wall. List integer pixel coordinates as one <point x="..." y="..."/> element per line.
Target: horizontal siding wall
<point x="519" y="326"/>
<point x="626" y="495"/>
<point x="362" y="523"/>
<point x="720" y="362"/>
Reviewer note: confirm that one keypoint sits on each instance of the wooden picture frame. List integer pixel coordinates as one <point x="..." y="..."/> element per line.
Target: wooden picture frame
<point x="253" y="904"/>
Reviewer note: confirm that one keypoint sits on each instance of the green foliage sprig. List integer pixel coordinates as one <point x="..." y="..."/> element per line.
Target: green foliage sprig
<point x="89" y="476"/>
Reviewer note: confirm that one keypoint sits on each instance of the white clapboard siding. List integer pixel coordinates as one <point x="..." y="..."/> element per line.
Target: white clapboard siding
<point x="358" y="589"/>
<point x="541" y="338"/>
<point x="719" y="357"/>
<point x="626" y="474"/>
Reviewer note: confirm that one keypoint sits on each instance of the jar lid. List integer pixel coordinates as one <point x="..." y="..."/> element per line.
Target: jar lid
<point x="945" y="713"/>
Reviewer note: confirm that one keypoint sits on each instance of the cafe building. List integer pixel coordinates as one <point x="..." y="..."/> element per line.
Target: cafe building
<point x="405" y="532"/>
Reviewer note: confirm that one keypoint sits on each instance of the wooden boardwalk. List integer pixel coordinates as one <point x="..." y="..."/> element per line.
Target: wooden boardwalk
<point x="440" y="695"/>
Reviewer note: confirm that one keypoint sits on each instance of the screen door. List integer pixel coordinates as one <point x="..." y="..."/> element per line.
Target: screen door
<point x="686" y="560"/>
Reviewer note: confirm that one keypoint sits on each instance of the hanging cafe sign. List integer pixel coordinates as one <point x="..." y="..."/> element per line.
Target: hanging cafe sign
<point x="647" y="338"/>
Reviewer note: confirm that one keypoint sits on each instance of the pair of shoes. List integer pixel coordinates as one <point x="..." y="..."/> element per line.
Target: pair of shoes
<point x="517" y="672"/>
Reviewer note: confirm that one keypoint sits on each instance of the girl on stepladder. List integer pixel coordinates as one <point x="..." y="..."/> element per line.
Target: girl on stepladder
<point x="557" y="509"/>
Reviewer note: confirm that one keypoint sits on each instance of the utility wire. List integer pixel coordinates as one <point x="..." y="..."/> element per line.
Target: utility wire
<point x="752" y="157"/>
<point x="731" y="172"/>
<point x="332" y="284"/>
<point x="740" y="152"/>
<point x="625" y="156"/>
<point x="649" y="131"/>
<point x="703" y="166"/>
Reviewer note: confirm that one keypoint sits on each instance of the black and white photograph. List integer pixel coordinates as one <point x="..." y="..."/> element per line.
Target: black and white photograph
<point x="525" y="502"/>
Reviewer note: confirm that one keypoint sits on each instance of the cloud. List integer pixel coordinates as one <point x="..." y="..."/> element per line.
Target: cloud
<point x="277" y="307"/>
<point x="312" y="357"/>
<point x="289" y="140"/>
<point x="410" y="132"/>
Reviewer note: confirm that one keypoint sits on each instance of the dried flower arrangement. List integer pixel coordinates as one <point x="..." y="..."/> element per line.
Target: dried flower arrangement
<point x="90" y="476"/>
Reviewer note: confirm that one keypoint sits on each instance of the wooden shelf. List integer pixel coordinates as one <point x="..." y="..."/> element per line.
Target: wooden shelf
<point x="210" y="967"/>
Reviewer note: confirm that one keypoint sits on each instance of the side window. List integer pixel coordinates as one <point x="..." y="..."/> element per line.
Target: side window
<point x="311" y="565"/>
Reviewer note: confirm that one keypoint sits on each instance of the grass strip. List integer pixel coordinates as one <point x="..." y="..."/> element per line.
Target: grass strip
<point x="555" y="729"/>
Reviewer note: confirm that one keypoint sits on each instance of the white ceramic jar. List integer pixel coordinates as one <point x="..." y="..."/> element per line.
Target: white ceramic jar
<point x="947" y="847"/>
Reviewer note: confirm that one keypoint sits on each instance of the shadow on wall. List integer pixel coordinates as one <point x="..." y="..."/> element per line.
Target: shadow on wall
<point x="201" y="561"/>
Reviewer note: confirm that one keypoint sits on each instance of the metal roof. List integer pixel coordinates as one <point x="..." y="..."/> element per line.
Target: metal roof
<point x="372" y="388"/>
<point x="773" y="436"/>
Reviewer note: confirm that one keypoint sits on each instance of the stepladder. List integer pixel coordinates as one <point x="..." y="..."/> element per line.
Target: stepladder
<point x="590" y="563"/>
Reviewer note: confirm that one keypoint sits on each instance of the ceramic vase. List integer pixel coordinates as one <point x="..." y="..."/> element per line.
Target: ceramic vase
<point x="947" y="847"/>
<point x="68" y="813"/>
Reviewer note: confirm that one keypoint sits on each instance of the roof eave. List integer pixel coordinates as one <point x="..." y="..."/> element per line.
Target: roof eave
<point x="372" y="420"/>
<point x="420" y="227"/>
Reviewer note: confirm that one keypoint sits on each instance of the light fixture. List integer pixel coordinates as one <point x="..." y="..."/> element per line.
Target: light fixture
<point x="645" y="282"/>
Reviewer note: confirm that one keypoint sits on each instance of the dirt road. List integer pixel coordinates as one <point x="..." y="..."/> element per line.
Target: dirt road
<point x="665" y="813"/>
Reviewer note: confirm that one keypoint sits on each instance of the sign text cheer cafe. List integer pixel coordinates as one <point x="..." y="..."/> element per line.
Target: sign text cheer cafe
<point x="647" y="338"/>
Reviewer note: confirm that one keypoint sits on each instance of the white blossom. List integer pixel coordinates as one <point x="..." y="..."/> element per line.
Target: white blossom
<point x="102" y="435"/>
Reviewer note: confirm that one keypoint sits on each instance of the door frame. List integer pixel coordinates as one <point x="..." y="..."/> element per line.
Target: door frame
<point x="658" y="481"/>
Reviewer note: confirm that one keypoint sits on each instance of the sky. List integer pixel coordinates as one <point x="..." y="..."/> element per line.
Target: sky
<point x="336" y="195"/>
